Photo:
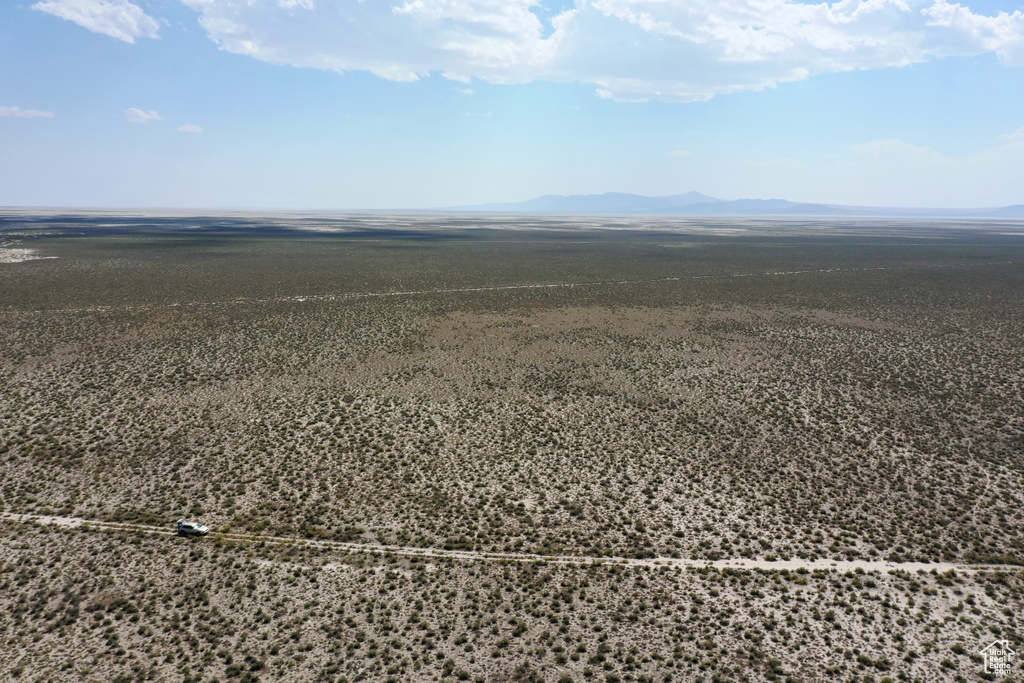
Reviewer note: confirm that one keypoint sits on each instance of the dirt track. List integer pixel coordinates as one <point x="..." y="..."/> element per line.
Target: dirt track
<point x="472" y="556"/>
<point x="303" y="298"/>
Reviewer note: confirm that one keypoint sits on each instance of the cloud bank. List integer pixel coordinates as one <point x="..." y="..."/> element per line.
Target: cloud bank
<point x="19" y="113"/>
<point x="115" y="18"/>
<point x="672" y="50"/>
<point x="899" y="173"/>
<point x="139" y="116"/>
<point x="883" y="172"/>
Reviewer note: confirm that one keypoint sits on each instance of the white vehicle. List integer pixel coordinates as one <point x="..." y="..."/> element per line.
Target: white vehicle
<point x="187" y="528"/>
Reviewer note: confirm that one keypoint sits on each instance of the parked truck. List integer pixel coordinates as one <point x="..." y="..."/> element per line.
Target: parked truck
<point x="191" y="528"/>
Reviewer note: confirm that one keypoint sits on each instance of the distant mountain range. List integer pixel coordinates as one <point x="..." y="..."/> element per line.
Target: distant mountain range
<point x="697" y="204"/>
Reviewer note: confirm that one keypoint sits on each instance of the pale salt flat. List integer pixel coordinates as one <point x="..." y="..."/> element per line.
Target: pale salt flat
<point x="19" y="255"/>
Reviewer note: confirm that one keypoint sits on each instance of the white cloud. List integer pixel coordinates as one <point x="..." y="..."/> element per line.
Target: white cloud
<point x="1002" y="34"/>
<point x="897" y="173"/>
<point x="499" y="40"/>
<point x="190" y="128"/>
<point x="19" y="113"/>
<point x="678" y="50"/>
<point x="884" y="172"/>
<point x="457" y="77"/>
<point x="139" y="116"/>
<point x="681" y="153"/>
<point x="115" y="18"/>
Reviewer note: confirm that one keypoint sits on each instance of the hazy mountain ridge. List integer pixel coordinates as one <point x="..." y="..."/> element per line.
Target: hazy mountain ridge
<point x="696" y="203"/>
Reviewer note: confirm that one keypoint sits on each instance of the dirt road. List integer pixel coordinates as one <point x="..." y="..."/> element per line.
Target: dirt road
<point x="472" y="556"/>
<point x="303" y="298"/>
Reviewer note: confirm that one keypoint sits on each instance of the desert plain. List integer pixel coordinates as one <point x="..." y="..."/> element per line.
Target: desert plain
<point x="507" y="448"/>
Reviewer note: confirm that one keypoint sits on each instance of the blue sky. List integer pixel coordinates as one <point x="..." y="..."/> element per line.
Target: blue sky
<point x="341" y="104"/>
